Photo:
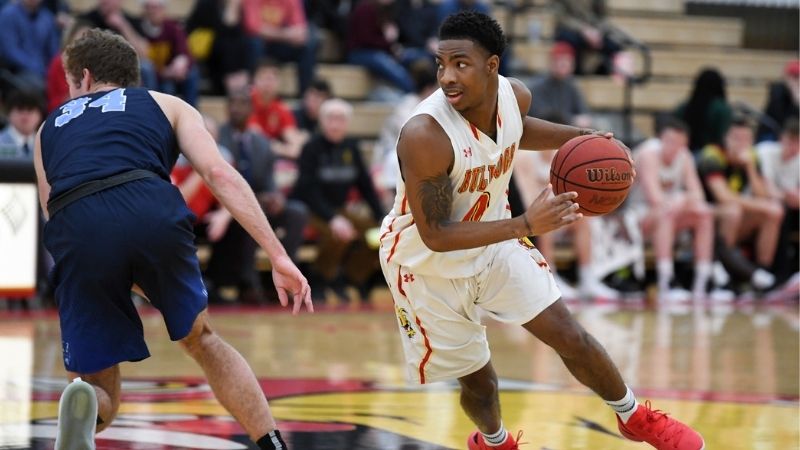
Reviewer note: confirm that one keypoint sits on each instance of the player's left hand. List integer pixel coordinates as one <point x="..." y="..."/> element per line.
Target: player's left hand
<point x="290" y="281"/>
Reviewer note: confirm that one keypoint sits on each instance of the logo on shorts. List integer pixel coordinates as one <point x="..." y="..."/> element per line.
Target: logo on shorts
<point x="525" y="242"/>
<point x="402" y="316"/>
<point x="408" y="278"/>
<point x="65" y="346"/>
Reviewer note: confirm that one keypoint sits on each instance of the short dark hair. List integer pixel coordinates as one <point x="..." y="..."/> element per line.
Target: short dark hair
<point x="476" y="27"/>
<point x="25" y="100"/>
<point x="318" y="84"/>
<point x="670" y="122"/>
<point x="108" y="56"/>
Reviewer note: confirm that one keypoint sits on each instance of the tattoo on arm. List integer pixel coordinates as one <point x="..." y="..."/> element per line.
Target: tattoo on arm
<point x="436" y="196"/>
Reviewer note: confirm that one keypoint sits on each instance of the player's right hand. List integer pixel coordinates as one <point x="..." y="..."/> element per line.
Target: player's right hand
<point x="550" y="212"/>
<point x="290" y="281"/>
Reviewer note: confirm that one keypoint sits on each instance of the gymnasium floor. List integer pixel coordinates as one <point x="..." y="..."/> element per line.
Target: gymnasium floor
<point x="336" y="382"/>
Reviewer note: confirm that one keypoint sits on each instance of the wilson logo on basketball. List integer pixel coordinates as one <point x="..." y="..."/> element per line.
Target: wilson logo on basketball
<point x="607" y="175"/>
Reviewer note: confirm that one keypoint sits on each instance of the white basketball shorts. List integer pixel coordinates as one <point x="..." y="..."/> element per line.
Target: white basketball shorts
<point x="439" y="318"/>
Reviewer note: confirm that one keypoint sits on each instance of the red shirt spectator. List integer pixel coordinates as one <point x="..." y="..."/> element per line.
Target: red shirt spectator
<point x="273" y="13"/>
<point x="272" y="116"/>
<point x="199" y="197"/>
<point x="57" y="89"/>
<point x="167" y="42"/>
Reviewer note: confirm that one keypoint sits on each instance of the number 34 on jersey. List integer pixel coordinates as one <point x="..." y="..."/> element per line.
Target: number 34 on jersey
<point x="113" y="101"/>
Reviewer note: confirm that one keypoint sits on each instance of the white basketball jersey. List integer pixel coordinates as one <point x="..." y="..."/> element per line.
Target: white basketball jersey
<point x="670" y="176"/>
<point x="479" y="180"/>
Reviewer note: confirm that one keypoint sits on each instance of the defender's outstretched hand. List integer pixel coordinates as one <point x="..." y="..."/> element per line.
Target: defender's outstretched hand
<point x="289" y="281"/>
<point x="549" y="212"/>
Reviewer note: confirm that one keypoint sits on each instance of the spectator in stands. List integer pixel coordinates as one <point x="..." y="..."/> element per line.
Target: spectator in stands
<point x="582" y="24"/>
<point x="233" y="255"/>
<point x="557" y="94"/>
<point x="331" y="167"/>
<point x="216" y="36"/>
<point x="61" y="11"/>
<point x="29" y="39"/>
<point x="25" y="114"/>
<point x="307" y="112"/>
<point x="279" y="30"/>
<point x="531" y="175"/>
<point x="448" y="7"/>
<point x="782" y="104"/>
<point x="108" y="15"/>
<point x="707" y="111"/>
<point x="272" y="115"/>
<point x="780" y="164"/>
<point x="669" y="195"/>
<point x="385" y="167"/>
<point x="417" y="25"/>
<point x="176" y="72"/>
<point x="373" y="43"/>
<point x="57" y="89"/>
<point x="331" y="15"/>
<point x="744" y="206"/>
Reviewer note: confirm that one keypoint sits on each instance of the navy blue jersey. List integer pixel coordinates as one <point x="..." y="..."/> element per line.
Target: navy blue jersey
<point x="105" y="133"/>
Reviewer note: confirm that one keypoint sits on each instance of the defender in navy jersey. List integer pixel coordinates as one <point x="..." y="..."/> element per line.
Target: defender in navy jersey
<point x="116" y="223"/>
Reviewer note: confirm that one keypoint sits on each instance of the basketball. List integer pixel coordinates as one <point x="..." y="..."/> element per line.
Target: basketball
<point x="598" y="169"/>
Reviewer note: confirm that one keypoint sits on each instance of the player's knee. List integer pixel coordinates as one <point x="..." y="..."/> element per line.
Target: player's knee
<point x="199" y="338"/>
<point x="703" y="212"/>
<point x="196" y="344"/>
<point x="731" y="213"/>
<point x="775" y="212"/>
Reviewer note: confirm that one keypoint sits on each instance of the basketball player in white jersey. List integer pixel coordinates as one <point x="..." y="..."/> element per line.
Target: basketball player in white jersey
<point x="670" y="195"/>
<point x="450" y="248"/>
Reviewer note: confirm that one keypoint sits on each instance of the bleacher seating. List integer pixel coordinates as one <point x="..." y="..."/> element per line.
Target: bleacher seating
<point x="645" y="6"/>
<point x="605" y="94"/>
<point x="680" y="46"/>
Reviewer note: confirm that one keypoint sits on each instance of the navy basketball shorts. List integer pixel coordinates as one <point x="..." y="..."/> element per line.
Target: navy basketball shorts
<point x="139" y="232"/>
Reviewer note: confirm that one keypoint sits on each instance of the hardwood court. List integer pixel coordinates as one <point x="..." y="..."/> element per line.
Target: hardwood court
<point x="336" y="382"/>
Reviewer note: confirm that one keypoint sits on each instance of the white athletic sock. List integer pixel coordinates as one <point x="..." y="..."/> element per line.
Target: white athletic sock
<point x="702" y="273"/>
<point x="626" y="406"/>
<point x="496" y="439"/>
<point x="664" y="274"/>
<point x="586" y="276"/>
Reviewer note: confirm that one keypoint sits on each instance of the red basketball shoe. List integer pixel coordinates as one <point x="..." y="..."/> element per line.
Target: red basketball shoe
<point x="659" y="430"/>
<point x="476" y="442"/>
